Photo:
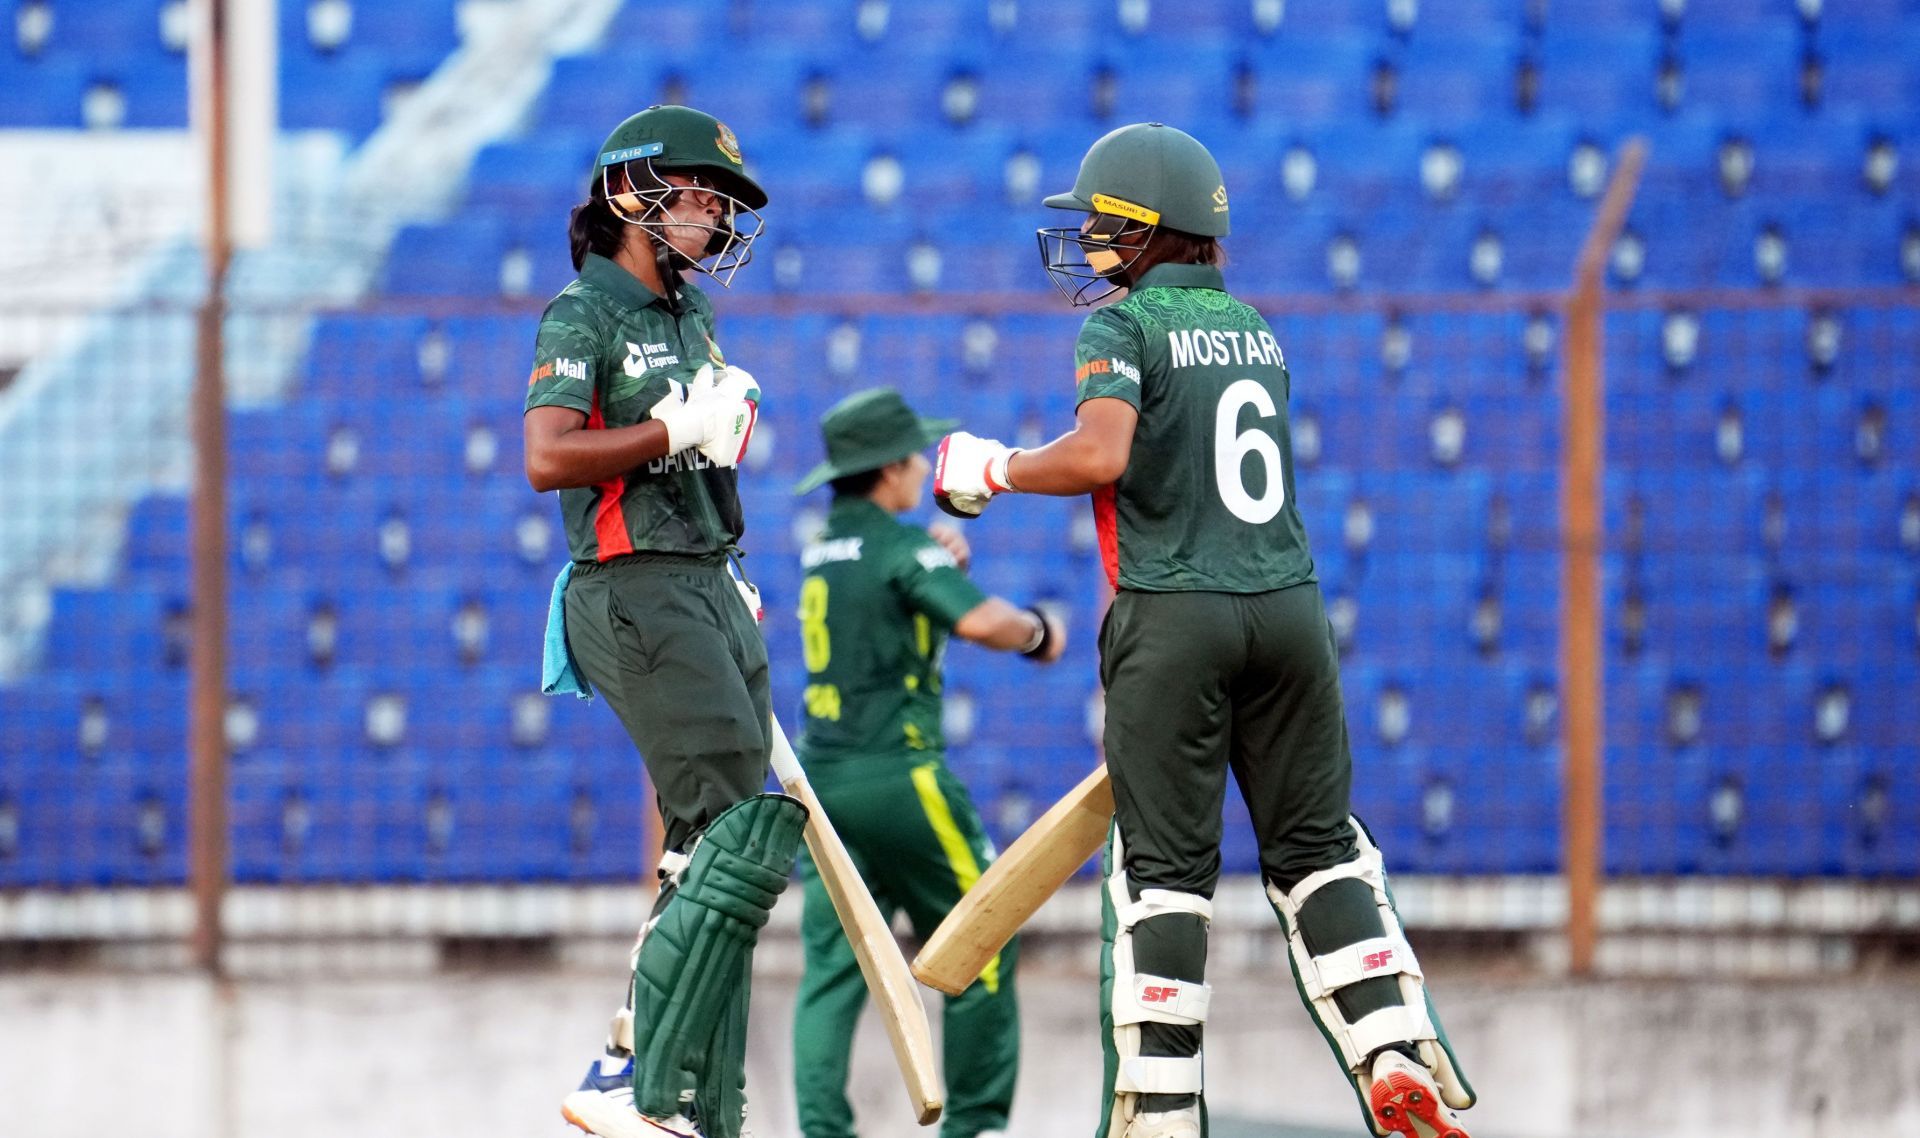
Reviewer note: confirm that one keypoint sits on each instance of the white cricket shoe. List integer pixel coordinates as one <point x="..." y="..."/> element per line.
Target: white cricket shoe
<point x="1405" y="1100"/>
<point x="604" y="1105"/>
<point x="1183" y="1123"/>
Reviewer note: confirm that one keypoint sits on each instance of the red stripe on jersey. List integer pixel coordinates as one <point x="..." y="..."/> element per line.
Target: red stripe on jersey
<point x="1107" y="524"/>
<point x="609" y="517"/>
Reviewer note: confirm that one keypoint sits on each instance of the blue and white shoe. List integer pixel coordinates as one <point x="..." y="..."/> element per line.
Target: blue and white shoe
<point x="604" y="1105"/>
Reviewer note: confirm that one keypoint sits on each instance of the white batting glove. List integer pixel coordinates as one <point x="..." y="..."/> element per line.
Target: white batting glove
<point x="671" y="410"/>
<point x="739" y="392"/>
<point x="968" y="472"/>
<point x="714" y="414"/>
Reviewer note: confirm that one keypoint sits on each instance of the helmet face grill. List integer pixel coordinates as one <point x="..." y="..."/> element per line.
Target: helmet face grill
<point x="1076" y="258"/>
<point x="645" y="203"/>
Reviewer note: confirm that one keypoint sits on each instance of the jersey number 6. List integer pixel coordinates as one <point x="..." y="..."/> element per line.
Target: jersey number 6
<point x="1231" y="447"/>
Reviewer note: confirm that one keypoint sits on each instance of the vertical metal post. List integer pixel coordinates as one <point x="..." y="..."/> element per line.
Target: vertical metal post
<point x="1582" y="649"/>
<point x="1581" y="657"/>
<point x="206" y="725"/>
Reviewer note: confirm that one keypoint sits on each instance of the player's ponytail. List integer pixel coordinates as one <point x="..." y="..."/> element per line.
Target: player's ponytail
<point x="593" y="228"/>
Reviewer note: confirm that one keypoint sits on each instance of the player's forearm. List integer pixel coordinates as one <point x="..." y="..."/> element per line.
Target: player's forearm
<point x="993" y="623"/>
<point x="1075" y="463"/>
<point x="585" y="457"/>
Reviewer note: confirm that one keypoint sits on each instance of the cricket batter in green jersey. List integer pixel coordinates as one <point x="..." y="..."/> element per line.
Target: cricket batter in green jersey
<point x="879" y="599"/>
<point x="635" y="418"/>
<point x="1216" y="655"/>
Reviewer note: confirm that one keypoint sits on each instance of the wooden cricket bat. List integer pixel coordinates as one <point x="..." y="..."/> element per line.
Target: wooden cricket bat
<point x="1015" y="886"/>
<point x="881" y="960"/>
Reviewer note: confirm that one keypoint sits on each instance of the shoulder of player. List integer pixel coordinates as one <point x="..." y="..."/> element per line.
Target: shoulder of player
<point x="1114" y="319"/>
<point x="875" y="543"/>
<point x="905" y="548"/>
<point x="579" y="306"/>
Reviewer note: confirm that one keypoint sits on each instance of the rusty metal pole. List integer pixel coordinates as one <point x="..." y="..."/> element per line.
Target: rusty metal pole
<point x="1582" y="648"/>
<point x="206" y="727"/>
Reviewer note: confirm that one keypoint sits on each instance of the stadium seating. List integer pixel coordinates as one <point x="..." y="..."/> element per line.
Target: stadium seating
<point x="386" y="627"/>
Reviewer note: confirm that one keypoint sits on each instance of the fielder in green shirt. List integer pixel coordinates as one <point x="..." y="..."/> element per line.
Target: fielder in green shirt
<point x="878" y="602"/>
<point x="1215" y="654"/>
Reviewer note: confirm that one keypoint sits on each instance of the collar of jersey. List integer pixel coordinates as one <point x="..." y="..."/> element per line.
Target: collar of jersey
<point x="1183" y="276"/>
<point x="617" y="282"/>
<point x="855" y="508"/>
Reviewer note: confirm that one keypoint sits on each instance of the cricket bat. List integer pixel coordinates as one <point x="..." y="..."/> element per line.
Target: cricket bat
<point x="881" y="961"/>
<point x="1015" y="886"/>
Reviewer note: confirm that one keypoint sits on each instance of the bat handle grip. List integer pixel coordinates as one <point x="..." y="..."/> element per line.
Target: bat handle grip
<point x="786" y="765"/>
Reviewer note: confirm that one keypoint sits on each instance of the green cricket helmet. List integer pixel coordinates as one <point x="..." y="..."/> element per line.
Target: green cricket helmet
<point x="1133" y="180"/>
<point x="680" y="140"/>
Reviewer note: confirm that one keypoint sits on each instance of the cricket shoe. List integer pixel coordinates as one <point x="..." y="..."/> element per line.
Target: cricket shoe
<point x="1182" y="1123"/>
<point x="1406" y="1101"/>
<point x="604" y="1105"/>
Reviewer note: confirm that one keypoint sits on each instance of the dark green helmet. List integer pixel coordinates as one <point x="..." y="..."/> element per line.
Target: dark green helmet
<point x="1134" y="181"/>
<point x="683" y="139"/>
<point x="1152" y="173"/>
<point x="665" y="140"/>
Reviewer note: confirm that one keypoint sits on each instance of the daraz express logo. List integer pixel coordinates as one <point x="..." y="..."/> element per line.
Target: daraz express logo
<point x="564" y="369"/>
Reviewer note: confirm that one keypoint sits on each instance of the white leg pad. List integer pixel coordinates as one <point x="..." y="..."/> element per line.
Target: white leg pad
<point x="1137" y="996"/>
<point x="1158" y="1075"/>
<point x="1140" y="997"/>
<point x="1160" y="999"/>
<point x="1386" y="955"/>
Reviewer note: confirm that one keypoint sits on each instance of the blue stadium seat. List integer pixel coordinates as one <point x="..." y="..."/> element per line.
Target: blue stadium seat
<point x="43" y="93"/>
<point x="1602" y="75"/>
<point x="456" y="259"/>
<point x="1731" y="68"/>
<point x="356" y="88"/>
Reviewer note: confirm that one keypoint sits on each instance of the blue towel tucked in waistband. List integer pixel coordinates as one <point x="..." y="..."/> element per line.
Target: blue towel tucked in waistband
<point x="559" y="674"/>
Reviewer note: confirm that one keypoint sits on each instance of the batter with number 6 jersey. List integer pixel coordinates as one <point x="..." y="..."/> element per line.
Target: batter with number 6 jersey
<point x="1216" y="655"/>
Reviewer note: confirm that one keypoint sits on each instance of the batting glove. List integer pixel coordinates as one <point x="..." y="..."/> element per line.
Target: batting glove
<point x="738" y="394"/>
<point x="714" y="414"/>
<point x="968" y="472"/>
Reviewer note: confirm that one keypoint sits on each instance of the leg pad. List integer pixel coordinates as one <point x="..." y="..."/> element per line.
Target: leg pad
<point x="1358" y="976"/>
<point x="691" y="969"/>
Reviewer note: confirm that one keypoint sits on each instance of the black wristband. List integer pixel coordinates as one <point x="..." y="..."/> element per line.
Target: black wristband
<point x="1039" y="647"/>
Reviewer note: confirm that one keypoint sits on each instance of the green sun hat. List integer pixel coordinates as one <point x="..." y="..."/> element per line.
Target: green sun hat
<point x="866" y="431"/>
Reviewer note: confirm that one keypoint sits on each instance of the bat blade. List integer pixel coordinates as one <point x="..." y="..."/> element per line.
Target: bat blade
<point x="1014" y="887"/>
<point x="881" y="961"/>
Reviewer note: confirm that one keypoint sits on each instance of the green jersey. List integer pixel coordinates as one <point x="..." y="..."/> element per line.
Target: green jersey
<point x="607" y="347"/>
<point x="1206" y="502"/>
<point x="877" y="603"/>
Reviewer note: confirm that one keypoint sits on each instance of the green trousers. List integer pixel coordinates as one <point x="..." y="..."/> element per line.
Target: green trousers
<point x="669" y="644"/>
<point x="913" y="831"/>
<point x="1200" y="686"/>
